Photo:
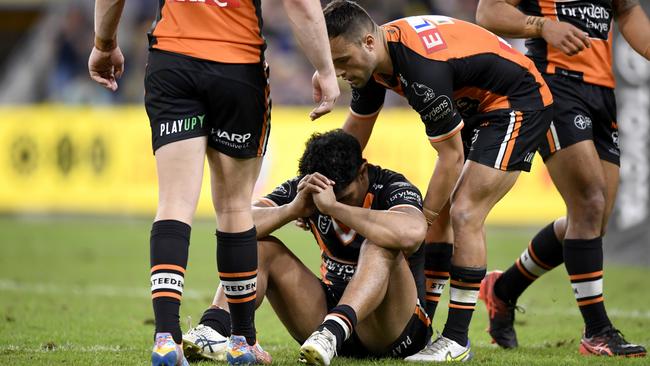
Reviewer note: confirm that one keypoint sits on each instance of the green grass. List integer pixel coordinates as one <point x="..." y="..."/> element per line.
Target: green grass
<point x="75" y="292"/>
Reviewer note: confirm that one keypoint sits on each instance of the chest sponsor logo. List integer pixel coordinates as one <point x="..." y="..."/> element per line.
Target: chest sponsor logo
<point x="182" y="125"/>
<point x="219" y="3"/>
<point x="593" y="17"/>
<point x="467" y="106"/>
<point x="582" y="122"/>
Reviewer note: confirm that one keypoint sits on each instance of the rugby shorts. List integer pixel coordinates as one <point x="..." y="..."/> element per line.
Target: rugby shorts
<point x="505" y="139"/>
<point x="187" y="97"/>
<point x="582" y="112"/>
<point x="414" y="337"/>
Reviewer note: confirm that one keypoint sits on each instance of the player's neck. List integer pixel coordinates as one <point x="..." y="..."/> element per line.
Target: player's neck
<point x="384" y="64"/>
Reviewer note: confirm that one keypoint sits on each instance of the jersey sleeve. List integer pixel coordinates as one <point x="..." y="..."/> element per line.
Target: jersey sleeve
<point x="367" y="101"/>
<point x="431" y="95"/>
<point x="400" y="192"/>
<point x="282" y="194"/>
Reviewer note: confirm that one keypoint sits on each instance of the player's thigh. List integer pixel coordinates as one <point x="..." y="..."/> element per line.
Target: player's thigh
<point x="383" y="327"/>
<point x="294" y="292"/>
<point x="177" y="133"/>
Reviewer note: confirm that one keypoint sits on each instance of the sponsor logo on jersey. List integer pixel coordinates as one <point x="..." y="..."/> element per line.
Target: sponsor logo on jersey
<point x="219" y="3"/>
<point x="181" y="125"/>
<point x="467" y="106"/>
<point x="582" y="122"/>
<point x="593" y="17"/>
<point x="405" y="195"/>
<point x="440" y="108"/>
<point x="615" y="139"/>
<point x="282" y="191"/>
<point x="428" y="33"/>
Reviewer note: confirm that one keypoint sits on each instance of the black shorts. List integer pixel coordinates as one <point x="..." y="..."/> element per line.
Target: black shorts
<point x="412" y="340"/>
<point x="505" y="139"/>
<point x="582" y="112"/>
<point x="187" y="97"/>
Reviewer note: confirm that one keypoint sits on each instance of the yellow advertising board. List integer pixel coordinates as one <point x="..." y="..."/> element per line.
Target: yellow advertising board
<point x="86" y="160"/>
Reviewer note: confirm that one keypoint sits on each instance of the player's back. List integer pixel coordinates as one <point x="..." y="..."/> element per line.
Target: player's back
<point x="488" y="74"/>
<point x="594" y="17"/>
<point x="226" y="31"/>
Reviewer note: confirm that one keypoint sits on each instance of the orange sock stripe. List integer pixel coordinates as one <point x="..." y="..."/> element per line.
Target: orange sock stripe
<point x="465" y="284"/>
<point x="166" y="294"/>
<point x="344" y="318"/>
<point x="465" y="307"/>
<point x="239" y="301"/>
<point x="523" y="271"/>
<point x="436" y="273"/>
<point x="591" y="301"/>
<point x="586" y="275"/>
<point x="536" y="259"/>
<point x="422" y="316"/>
<point x="237" y="274"/>
<point x="432" y="298"/>
<point x="172" y="267"/>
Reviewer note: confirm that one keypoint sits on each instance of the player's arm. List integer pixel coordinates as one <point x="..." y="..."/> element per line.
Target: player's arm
<point x="634" y="25"/>
<point x="360" y="127"/>
<point x="308" y="25"/>
<point x="445" y="175"/>
<point x="365" y="106"/>
<point x="400" y="228"/>
<point x="106" y="62"/>
<point x="503" y="17"/>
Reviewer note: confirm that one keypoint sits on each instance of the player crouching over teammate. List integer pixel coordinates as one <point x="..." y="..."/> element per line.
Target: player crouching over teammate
<point x="365" y="220"/>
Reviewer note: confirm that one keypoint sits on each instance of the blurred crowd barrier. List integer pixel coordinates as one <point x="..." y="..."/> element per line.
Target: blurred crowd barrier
<point x="82" y="160"/>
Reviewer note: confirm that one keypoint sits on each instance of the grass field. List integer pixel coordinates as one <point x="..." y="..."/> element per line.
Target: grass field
<point x="75" y="292"/>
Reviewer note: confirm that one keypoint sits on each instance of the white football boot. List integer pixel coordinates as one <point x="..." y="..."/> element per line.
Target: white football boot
<point x="319" y="349"/>
<point x="204" y="342"/>
<point x="442" y="350"/>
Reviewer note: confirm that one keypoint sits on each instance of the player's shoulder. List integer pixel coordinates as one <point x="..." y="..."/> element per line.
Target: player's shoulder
<point x="384" y="181"/>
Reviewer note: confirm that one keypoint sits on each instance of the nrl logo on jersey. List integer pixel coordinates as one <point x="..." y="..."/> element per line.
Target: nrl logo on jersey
<point x="423" y="91"/>
<point x="324" y="223"/>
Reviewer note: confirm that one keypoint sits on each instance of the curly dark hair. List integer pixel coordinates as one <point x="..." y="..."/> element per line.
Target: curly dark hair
<point x="347" y="18"/>
<point x="335" y="154"/>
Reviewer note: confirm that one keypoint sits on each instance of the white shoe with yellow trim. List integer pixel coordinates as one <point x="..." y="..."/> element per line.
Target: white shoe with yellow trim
<point x="442" y="350"/>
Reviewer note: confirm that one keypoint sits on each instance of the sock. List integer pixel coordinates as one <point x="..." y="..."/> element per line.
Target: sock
<point x="169" y="247"/>
<point x="583" y="259"/>
<point x="416" y="265"/>
<point x="237" y="264"/>
<point x="463" y="293"/>
<point x="542" y="255"/>
<point x="437" y="264"/>
<point x="341" y="321"/>
<point x="217" y="319"/>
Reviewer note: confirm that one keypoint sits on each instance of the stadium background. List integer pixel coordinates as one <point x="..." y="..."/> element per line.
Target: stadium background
<point x="76" y="166"/>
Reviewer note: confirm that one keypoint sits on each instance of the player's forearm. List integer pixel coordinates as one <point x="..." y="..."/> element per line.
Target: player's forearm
<point x="107" y="17"/>
<point x="269" y="219"/>
<point x="308" y="25"/>
<point x="385" y="228"/>
<point x="360" y="128"/>
<point x="442" y="182"/>
<point x="635" y="28"/>
<point x="505" y="19"/>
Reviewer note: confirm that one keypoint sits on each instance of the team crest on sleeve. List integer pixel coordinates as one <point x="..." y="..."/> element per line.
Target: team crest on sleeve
<point x="283" y="190"/>
<point x="423" y="91"/>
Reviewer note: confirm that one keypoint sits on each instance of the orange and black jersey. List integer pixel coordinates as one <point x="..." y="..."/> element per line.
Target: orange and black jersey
<point x="592" y="65"/>
<point x="228" y="31"/>
<point x="446" y="67"/>
<point x="339" y="244"/>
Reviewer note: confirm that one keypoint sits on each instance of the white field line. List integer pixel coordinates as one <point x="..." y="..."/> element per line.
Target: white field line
<point x="12" y="348"/>
<point x="144" y="293"/>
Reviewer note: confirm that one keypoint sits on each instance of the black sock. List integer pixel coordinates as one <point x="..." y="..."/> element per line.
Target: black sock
<point x="543" y="254"/>
<point x="583" y="259"/>
<point x="169" y="247"/>
<point x="237" y="264"/>
<point x="463" y="293"/>
<point x="437" y="264"/>
<point x="341" y="321"/>
<point x="217" y="319"/>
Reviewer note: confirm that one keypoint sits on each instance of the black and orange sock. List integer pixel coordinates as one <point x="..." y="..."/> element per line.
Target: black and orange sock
<point x="169" y="247"/>
<point x="217" y="319"/>
<point x="237" y="264"/>
<point x="583" y="259"/>
<point x="463" y="293"/>
<point x="437" y="263"/>
<point x="341" y="321"/>
<point x="542" y="255"/>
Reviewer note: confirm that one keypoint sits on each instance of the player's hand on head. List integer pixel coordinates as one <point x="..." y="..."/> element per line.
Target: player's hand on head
<point x="565" y="37"/>
<point x="106" y="67"/>
<point x="325" y="92"/>
<point x="325" y="200"/>
<point x="303" y="204"/>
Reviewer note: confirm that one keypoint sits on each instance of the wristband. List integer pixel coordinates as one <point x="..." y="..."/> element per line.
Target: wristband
<point x="430" y="215"/>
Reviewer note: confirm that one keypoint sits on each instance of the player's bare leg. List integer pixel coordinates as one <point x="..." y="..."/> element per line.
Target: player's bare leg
<point x="233" y="181"/>
<point x="180" y="172"/>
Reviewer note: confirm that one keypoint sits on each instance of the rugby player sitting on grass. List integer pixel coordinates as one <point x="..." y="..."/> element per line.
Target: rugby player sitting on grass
<point x="366" y="221"/>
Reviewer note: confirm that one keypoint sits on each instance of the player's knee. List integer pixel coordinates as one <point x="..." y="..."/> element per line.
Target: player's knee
<point x="590" y="206"/>
<point x="464" y="217"/>
<point x="269" y="248"/>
